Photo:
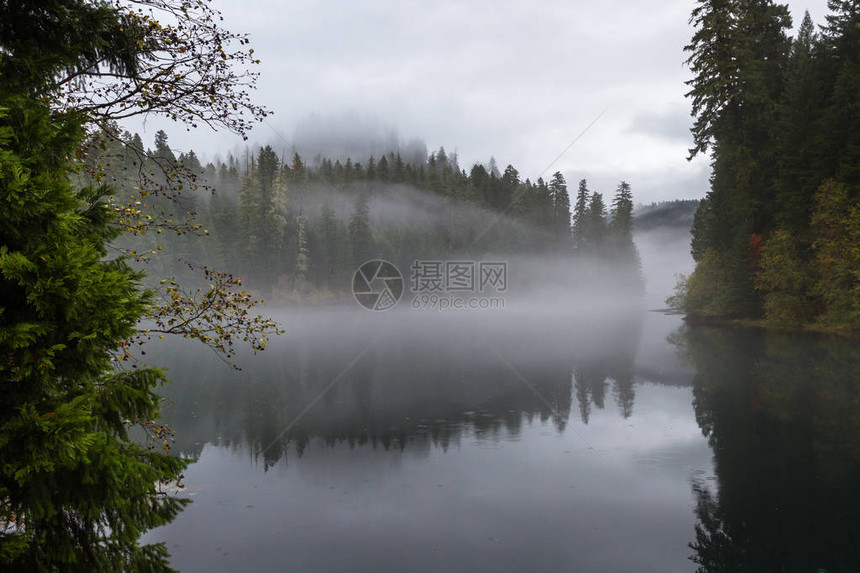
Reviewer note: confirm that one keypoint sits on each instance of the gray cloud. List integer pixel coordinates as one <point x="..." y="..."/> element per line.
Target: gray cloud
<point x="505" y="78"/>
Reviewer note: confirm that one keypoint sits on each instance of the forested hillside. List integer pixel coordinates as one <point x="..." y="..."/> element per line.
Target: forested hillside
<point x="778" y="234"/>
<point x="296" y="229"/>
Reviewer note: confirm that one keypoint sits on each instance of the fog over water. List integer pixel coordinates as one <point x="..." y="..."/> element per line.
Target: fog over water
<point x="498" y="429"/>
<point x="665" y="253"/>
<point x="575" y="428"/>
<point x="428" y="440"/>
<point x="588" y="436"/>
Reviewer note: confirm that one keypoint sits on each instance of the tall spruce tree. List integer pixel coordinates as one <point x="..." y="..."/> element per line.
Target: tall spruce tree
<point x="738" y="54"/>
<point x="580" y="214"/>
<point x="798" y="137"/>
<point x="621" y="247"/>
<point x="561" y="211"/>
<point x="621" y="224"/>
<point x="264" y="219"/>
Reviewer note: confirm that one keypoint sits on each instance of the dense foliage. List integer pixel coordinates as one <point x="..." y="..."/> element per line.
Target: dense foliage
<point x="777" y="234"/>
<point x="75" y="492"/>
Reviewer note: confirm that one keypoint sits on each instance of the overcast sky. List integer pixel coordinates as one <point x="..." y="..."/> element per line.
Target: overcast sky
<point x="511" y="79"/>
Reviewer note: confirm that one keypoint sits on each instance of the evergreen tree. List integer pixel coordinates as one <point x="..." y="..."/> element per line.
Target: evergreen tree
<point x="738" y="54"/>
<point x="621" y="246"/>
<point x="398" y="171"/>
<point x="580" y="216"/>
<point x="841" y="47"/>
<point x="361" y="237"/>
<point x="224" y="220"/>
<point x="799" y="139"/>
<point x="713" y="62"/>
<point x="441" y="159"/>
<point x="595" y="232"/>
<point x="382" y="171"/>
<point x="621" y="225"/>
<point x="162" y="151"/>
<point x="302" y="255"/>
<point x="263" y="218"/>
<point x="537" y="208"/>
<point x="137" y="143"/>
<point x="328" y="246"/>
<point x="370" y="172"/>
<point x="298" y="170"/>
<point x="561" y="211"/>
<point x="508" y="189"/>
<point x="75" y="492"/>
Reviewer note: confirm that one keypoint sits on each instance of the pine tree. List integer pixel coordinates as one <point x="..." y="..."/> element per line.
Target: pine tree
<point x="841" y="50"/>
<point x="162" y="151"/>
<point x="370" y="172"/>
<point x="537" y="207"/>
<point x="580" y="215"/>
<point x="620" y="245"/>
<point x="595" y="232"/>
<point x="713" y="61"/>
<point x="621" y="225"/>
<point x="263" y="216"/>
<point x="382" y="171"/>
<point x="561" y="211"/>
<point x="398" y="169"/>
<point x="799" y="139"/>
<point x="298" y="170"/>
<point x="361" y="237"/>
<point x="738" y="54"/>
<point x="508" y="189"/>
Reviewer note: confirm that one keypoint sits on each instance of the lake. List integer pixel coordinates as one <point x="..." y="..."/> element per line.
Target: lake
<point x="542" y="437"/>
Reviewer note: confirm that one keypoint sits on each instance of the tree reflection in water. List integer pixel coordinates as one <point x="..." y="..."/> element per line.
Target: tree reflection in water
<point x="782" y="415"/>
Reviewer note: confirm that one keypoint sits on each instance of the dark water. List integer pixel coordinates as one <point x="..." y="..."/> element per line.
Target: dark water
<point x="587" y="440"/>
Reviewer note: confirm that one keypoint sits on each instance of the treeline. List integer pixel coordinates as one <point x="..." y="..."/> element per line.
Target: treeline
<point x="296" y="230"/>
<point x="778" y="234"/>
<point x="677" y="214"/>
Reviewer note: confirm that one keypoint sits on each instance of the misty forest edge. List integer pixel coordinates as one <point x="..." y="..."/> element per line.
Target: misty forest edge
<point x="775" y="239"/>
<point x="298" y="232"/>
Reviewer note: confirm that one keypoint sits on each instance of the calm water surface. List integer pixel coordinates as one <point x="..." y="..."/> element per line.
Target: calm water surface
<point x="532" y="440"/>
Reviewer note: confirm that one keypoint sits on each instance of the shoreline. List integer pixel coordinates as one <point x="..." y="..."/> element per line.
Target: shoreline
<point x="842" y="330"/>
